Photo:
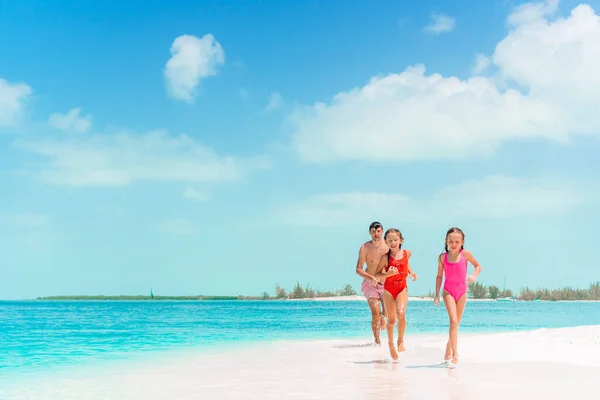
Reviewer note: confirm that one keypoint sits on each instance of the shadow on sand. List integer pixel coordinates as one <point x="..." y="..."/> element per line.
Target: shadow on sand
<point x="383" y="361"/>
<point x="438" y="365"/>
<point x="347" y="346"/>
<point x="388" y="361"/>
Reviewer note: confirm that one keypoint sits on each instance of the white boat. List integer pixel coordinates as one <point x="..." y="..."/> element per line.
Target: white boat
<point x="505" y="299"/>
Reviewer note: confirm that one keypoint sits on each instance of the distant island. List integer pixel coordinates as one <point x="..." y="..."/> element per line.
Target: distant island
<point x="476" y="291"/>
<point x="480" y="291"/>
<point x="142" y="297"/>
<point x="281" y="294"/>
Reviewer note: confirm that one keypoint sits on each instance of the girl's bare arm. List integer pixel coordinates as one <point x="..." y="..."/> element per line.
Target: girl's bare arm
<point x="473" y="277"/>
<point x="439" y="277"/>
<point x="411" y="273"/>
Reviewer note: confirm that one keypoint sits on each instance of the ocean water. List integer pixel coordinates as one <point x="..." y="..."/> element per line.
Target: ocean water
<point x="38" y="336"/>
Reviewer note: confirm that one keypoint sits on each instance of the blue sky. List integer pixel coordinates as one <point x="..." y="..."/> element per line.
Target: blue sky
<point x="198" y="148"/>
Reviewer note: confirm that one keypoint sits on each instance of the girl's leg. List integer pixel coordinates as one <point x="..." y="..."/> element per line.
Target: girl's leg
<point x="450" y="305"/>
<point x="448" y="353"/>
<point x="460" y="308"/>
<point x="401" y="304"/>
<point x="390" y="304"/>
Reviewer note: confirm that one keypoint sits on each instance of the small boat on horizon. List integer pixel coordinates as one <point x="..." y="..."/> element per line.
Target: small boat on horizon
<point x="506" y="299"/>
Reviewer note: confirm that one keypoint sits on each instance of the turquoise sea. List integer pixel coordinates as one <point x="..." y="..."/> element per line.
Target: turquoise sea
<point x="38" y="336"/>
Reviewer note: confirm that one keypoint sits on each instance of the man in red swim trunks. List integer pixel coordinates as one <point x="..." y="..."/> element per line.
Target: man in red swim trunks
<point x="370" y="253"/>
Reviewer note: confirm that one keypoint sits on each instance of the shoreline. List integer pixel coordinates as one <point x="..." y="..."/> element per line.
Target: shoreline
<point x="542" y="363"/>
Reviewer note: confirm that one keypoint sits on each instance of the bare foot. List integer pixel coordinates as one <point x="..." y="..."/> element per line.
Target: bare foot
<point x="377" y="341"/>
<point x="401" y="347"/>
<point x="382" y="323"/>
<point x="393" y="352"/>
<point x="448" y="356"/>
<point x="455" y="359"/>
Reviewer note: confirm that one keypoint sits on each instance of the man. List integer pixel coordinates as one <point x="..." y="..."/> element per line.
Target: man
<point x="370" y="253"/>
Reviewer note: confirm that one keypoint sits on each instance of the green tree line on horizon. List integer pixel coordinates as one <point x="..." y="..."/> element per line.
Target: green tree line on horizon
<point x="144" y="297"/>
<point x="476" y="290"/>
<point x="299" y="292"/>
<point x="480" y="291"/>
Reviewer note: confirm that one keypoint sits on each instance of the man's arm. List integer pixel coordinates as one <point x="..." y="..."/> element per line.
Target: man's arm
<point x="360" y="264"/>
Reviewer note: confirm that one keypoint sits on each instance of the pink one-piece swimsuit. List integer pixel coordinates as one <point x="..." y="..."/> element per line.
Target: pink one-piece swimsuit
<point x="456" y="276"/>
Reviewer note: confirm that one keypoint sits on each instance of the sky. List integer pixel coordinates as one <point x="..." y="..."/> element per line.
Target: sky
<point x="202" y="148"/>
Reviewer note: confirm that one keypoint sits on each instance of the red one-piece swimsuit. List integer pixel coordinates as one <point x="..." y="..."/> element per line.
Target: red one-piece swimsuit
<point x="395" y="284"/>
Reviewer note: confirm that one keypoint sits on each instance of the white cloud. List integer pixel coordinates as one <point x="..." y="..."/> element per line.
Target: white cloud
<point x="192" y="59"/>
<point x="13" y="97"/>
<point x="553" y="59"/>
<point x="506" y="197"/>
<point x="440" y="23"/>
<point x="72" y="121"/>
<point x="275" y="102"/>
<point x="532" y="12"/>
<point x="119" y="159"/>
<point x="179" y="226"/>
<point x="482" y="62"/>
<point x="195" y="194"/>
<point x="342" y="208"/>
<point x="414" y="116"/>
<point x="495" y="197"/>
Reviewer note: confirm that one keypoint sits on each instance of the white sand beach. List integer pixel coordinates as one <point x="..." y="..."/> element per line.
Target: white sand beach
<point x="542" y="364"/>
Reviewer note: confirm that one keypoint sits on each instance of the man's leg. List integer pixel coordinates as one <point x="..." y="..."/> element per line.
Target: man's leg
<point x="383" y="314"/>
<point x="375" y="318"/>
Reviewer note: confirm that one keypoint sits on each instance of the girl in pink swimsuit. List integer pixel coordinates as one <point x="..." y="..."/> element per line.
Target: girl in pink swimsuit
<point x="453" y="265"/>
<point x="395" y="268"/>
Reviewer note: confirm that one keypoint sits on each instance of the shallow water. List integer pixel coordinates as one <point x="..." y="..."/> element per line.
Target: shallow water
<point x="41" y="335"/>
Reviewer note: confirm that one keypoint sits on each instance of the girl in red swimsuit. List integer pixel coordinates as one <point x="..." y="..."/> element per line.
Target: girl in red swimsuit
<point x="395" y="268"/>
